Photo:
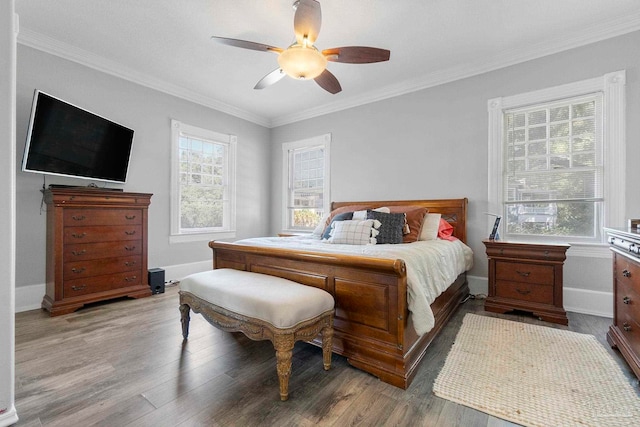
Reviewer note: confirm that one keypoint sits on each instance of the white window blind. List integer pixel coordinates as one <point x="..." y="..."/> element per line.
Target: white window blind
<point x="307" y="182"/>
<point x="553" y="174"/>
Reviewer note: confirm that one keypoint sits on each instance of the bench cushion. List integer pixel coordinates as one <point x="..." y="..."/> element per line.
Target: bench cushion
<point x="279" y="301"/>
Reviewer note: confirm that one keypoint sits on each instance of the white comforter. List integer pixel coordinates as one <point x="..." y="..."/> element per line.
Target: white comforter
<point x="431" y="266"/>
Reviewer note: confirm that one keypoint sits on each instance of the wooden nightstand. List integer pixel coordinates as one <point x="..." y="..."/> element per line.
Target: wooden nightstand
<point x="527" y="277"/>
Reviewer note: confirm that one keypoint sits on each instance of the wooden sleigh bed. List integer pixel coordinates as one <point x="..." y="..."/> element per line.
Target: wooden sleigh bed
<point x="373" y="327"/>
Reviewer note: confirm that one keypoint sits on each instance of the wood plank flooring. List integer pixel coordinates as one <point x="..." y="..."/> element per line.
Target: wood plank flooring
<point x="124" y="363"/>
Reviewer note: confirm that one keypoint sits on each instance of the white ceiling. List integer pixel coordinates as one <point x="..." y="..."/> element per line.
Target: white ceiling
<point x="165" y="44"/>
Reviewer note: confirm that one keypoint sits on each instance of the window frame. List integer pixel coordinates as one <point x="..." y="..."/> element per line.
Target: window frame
<point x="612" y="87"/>
<point x="229" y="220"/>
<point x="325" y="142"/>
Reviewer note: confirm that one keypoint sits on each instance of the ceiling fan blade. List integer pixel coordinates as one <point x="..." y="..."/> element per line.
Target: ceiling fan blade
<point x="328" y="82"/>
<point x="356" y="54"/>
<point x="270" y="79"/>
<point x="247" y="45"/>
<point x="307" y="20"/>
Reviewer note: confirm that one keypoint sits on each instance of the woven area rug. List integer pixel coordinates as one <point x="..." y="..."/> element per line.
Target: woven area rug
<point x="536" y="376"/>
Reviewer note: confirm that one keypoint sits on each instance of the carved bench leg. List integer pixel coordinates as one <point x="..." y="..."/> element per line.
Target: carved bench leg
<point x="327" y="343"/>
<point x="184" y="319"/>
<point x="284" y="351"/>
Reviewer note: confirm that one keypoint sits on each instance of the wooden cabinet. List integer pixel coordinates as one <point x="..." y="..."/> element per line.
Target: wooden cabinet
<point x="96" y="247"/>
<point x="624" y="333"/>
<point x="527" y="277"/>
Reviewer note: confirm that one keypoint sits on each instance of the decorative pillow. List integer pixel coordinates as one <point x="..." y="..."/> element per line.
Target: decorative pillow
<point x="344" y="216"/>
<point x="351" y="232"/>
<point x="342" y="209"/>
<point x="321" y="226"/>
<point x="415" y="218"/>
<point x="430" y="226"/>
<point x="391" y="228"/>
<point x="445" y="231"/>
<point x="362" y="215"/>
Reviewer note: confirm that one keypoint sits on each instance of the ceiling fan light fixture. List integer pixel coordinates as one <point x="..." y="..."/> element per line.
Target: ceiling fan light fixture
<point x="302" y="61"/>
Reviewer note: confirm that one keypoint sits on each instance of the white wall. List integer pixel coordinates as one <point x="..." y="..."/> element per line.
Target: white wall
<point x="7" y="211"/>
<point x="148" y="112"/>
<point x="433" y="144"/>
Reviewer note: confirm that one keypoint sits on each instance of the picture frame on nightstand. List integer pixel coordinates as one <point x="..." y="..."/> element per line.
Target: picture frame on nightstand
<point x="495" y="235"/>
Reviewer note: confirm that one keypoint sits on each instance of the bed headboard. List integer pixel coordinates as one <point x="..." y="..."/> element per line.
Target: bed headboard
<point x="454" y="211"/>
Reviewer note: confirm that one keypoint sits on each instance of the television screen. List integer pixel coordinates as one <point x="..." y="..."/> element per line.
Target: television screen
<point x="68" y="141"/>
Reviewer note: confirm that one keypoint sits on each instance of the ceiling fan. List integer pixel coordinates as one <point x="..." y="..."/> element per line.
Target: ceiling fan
<point x="302" y="60"/>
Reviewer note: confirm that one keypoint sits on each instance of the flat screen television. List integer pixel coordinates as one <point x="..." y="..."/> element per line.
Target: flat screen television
<point x="66" y="140"/>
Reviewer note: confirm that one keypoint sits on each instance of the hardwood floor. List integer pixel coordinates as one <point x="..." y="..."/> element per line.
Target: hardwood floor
<point x="124" y="363"/>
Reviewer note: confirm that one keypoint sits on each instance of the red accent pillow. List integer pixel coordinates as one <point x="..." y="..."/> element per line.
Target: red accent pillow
<point x="445" y="231"/>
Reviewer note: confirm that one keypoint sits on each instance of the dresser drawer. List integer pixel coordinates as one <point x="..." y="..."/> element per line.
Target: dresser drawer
<point x="85" y="251"/>
<point x="97" y="267"/>
<point x="73" y="235"/>
<point x="529" y="292"/>
<point x="627" y="271"/>
<point x="627" y="299"/>
<point x="524" y="272"/>
<point x="90" y="285"/>
<point x="630" y="329"/>
<point x="82" y="217"/>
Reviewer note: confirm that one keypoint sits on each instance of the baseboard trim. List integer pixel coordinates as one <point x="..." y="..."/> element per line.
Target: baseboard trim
<point x="9" y="416"/>
<point x="584" y="301"/>
<point x="29" y="297"/>
<point x="576" y="300"/>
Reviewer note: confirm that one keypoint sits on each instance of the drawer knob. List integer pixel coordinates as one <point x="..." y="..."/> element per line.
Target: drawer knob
<point x="78" y="270"/>
<point x="78" y="217"/>
<point x="78" y="235"/>
<point x="130" y="233"/>
<point x="626" y="327"/>
<point x="78" y="253"/>
<point x="130" y="279"/>
<point x="523" y="273"/>
<point x="78" y="288"/>
<point x="523" y="291"/>
<point x="626" y="300"/>
<point x="130" y="217"/>
<point x="626" y="273"/>
<point x="129" y="248"/>
<point x="130" y="263"/>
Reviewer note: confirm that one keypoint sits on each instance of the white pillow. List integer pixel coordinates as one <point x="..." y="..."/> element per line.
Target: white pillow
<point x="362" y="215"/>
<point x="354" y="232"/>
<point x="430" y="226"/>
<point x="321" y="225"/>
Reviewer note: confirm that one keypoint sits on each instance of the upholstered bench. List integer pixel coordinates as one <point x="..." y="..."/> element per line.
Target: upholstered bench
<point x="262" y="307"/>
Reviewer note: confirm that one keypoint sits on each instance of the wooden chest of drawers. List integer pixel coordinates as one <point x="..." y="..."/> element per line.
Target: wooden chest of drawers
<point x="96" y="247"/>
<point x="527" y="277"/>
<point x="624" y="333"/>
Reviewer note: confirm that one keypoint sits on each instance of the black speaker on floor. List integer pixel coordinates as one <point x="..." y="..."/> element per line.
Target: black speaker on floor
<point x="156" y="280"/>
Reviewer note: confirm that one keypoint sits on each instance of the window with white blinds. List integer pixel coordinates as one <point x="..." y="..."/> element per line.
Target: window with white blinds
<point x="557" y="162"/>
<point x="553" y="175"/>
<point x="203" y="183"/>
<point x="306" y="176"/>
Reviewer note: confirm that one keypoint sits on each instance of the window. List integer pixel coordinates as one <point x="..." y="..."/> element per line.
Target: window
<point x="555" y="161"/>
<point x="203" y="184"/>
<point x="306" y="178"/>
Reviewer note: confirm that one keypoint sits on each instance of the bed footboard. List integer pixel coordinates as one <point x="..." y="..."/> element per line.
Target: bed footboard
<point x="372" y="324"/>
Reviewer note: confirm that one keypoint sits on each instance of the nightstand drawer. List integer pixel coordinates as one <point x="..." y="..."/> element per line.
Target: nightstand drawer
<point x="524" y="272"/>
<point x="529" y="292"/>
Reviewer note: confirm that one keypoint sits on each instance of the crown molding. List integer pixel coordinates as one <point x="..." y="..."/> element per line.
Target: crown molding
<point x="605" y="30"/>
<point x="544" y="48"/>
<point x="49" y="45"/>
